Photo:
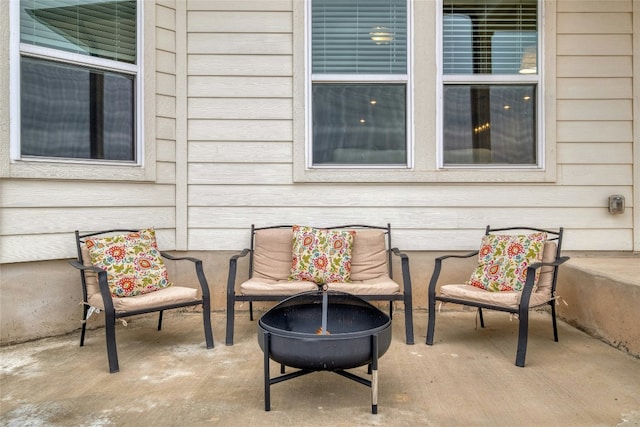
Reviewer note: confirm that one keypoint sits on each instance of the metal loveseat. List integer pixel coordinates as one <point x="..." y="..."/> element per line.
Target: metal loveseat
<point x="270" y="255"/>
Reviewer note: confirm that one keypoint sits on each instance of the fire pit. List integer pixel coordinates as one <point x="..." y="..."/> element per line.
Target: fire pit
<point x="324" y="331"/>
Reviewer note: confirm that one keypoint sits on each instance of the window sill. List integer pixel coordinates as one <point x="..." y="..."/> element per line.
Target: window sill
<point x="78" y="171"/>
<point x="502" y="175"/>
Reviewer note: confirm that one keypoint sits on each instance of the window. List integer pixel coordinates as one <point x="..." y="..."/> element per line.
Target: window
<point x="359" y="83"/>
<point x="490" y="83"/>
<point x="79" y="85"/>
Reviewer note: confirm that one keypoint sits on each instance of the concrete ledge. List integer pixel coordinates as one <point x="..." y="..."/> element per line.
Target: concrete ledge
<point x="603" y="297"/>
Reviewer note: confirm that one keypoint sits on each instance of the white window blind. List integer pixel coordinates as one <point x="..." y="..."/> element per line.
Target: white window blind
<point x="359" y="36"/>
<point x="98" y="28"/>
<point x="490" y="37"/>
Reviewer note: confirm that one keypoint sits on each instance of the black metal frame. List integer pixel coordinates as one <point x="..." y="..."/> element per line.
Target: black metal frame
<point x="405" y="296"/>
<point x="111" y="315"/>
<point x="371" y="383"/>
<point x="522" y="310"/>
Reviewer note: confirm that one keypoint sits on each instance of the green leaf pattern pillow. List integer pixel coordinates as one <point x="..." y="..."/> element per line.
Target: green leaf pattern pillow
<point x="133" y="262"/>
<point x="503" y="261"/>
<point x="321" y="256"/>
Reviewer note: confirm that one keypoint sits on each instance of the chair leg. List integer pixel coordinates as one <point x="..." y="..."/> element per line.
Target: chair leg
<point x="481" y="317"/>
<point x="431" y="323"/>
<point x="110" y="333"/>
<point x="206" y="319"/>
<point x="251" y="310"/>
<point x="523" y="331"/>
<point x="230" y="319"/>
<point x="391" y="309"/>
<point x="160" y="320"/>
<point x="553" y="319"/>
<point x="83" y="330"/>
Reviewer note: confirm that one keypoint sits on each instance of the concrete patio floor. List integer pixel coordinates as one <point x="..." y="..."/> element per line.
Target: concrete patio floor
<point x="468" y="378"/>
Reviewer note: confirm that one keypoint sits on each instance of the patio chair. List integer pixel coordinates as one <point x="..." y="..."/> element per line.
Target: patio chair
<point x="515" y="273"/>
<point x="123" y="274"/>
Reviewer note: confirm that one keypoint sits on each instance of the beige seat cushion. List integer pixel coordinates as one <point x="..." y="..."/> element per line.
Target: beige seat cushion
<point x="540" y="296"/>
<point x="379" y="286"/>
<point x="265" y="287"/>
<point x="171" y="295"/>
<point x="272" y="265"/>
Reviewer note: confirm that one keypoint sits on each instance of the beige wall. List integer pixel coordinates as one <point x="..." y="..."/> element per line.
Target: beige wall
<point x="222" y="113"/>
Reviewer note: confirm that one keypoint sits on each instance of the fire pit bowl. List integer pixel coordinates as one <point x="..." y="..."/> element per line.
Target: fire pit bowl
<point x="324" y="331"/>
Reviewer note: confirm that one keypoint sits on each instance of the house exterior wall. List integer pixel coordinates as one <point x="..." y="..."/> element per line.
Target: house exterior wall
<point x="225" y="110"/>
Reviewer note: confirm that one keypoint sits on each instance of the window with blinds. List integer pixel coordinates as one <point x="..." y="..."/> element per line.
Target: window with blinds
<point x="490" y="37"/>
<point x="358" y="109"/>
<point x="103" y="29"/>
<point x="490" y="92"/>
<point x="359" y="36"/>
<point x="79" y="80"/>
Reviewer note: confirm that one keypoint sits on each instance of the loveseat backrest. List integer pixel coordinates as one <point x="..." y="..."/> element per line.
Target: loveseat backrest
<point x="271" y="254"/>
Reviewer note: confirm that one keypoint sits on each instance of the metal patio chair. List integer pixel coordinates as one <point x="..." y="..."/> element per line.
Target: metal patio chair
<point x="97" y="294"/>
<point x="538" y="290"/>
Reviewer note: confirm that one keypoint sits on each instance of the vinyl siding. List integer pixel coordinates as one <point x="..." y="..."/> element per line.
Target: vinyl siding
<point x="224" y="122"/>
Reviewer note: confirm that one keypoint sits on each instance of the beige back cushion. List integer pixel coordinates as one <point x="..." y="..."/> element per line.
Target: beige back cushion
<point x="369" y="255"/>
<point x="546" y="273"/>
<point x="90" y="277"/>
<point x="273" y="254"/>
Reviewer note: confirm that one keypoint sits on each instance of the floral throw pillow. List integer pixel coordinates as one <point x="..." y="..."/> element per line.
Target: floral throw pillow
<point x="503" y="261"/>
<point x="321" y="256"/>
<point x="133" y="262"/>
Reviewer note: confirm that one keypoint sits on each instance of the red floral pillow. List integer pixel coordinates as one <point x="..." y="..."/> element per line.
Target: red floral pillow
<point x="133" y="262"/>
<point x="321" y="256"/>
<point x="503" y="261"/>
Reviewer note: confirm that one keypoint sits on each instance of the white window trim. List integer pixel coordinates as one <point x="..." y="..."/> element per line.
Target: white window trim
<point x="424" y="126"/>
<point x="143" y="169"/>
<point x="506" y="79"/>
<point x="311" y="78"/>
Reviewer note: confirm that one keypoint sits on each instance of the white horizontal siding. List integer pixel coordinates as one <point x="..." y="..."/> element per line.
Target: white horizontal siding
<point x="407" y="217"/>
<point x="240" y="152"/>
<point x="461" y="196"/>
<point x="427" y="239"/>
<point x="240" y="87"/>
<point x="57" y="246"/>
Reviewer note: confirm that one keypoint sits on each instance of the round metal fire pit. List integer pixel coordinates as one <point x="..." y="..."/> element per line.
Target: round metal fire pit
<point x="324" y="331"/>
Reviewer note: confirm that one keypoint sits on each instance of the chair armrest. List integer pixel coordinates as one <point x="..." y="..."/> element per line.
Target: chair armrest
<point x="233" y="267"/>
<point x="406" y="275"/>
<point x="202" y="279"/>
<point x="175" y="258"/>
<point x="557" y="262"/>
<point x="438" y="267"/>
<point x="527" y="290"/>
<point x="469" y="255"/>
<point x="105" y="292"/>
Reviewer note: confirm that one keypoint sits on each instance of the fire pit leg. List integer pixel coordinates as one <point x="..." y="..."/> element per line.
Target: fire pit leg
<point x="267" y="375"/>
<point x="374" y="374"/>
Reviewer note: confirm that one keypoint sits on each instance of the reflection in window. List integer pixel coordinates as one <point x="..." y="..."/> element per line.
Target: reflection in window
<point x="491" y="124"/>
<point x="75" y="112"/>
<point x="488" y="119"/>
<point x="359" y="80"/>
<point x="359" y="124"/>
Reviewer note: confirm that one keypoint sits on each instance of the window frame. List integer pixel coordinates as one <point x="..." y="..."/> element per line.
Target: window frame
<point x="13" y="164"/>
<point x="424" y="128"/>
<point x="490" y="80"/>
<point x="311" y="78"/>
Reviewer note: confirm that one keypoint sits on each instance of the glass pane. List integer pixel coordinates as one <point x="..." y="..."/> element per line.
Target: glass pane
<point x="75" y="112"/>
<point x="359" y="36"/>
<point x="359" y="124"/>
<point x="100" y="28"/>
<point x="490" y="37"/>
<point x="490" y="124"/>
